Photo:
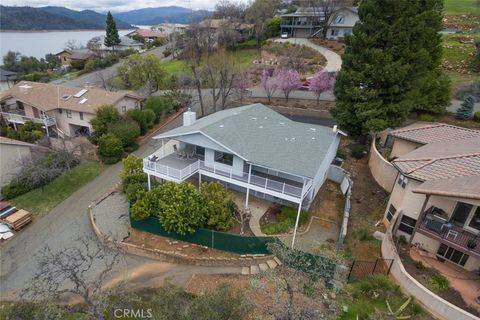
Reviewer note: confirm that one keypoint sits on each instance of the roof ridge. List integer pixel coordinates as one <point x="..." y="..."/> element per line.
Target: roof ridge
<point x="433" y="160"/>
<point x="432" y="125"/>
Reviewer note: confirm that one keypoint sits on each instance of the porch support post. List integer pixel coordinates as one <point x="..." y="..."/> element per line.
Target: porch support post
<point x="163" y="149"/>
<point x="46" y="126"/>
<point x="298" y="216"/>
<point x="199" y="180"/>
<point x="421" y="216"/>
<point x="248" y="186"/>
<point x="149" y="182"/>
<point x="14" y="126"/>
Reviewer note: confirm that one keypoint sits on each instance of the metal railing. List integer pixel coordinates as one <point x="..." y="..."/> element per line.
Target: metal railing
<point x="18" y="118"/>
<point x="179" y="174"/>
<point x="262" y="182"/>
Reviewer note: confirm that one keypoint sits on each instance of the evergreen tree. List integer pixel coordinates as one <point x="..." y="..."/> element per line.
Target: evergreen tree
<point x="466" y="109"/>
<point x="390" y="65"/>
<point x="111" y="38"/>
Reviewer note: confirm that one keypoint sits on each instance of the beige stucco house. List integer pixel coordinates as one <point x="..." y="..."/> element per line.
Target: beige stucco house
<point x="435" y="200"/>
<point x="67" y="111"/>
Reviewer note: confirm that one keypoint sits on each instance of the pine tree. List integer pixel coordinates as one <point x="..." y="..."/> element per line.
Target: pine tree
<point x="111" y="38"/>
<point x="466" y="109"/>
<point x="390" y="65"/>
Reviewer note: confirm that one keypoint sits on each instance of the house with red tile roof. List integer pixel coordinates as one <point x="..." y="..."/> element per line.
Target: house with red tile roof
<point x="435" y="200"/>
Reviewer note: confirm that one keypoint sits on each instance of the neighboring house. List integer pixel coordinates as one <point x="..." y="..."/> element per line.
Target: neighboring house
<point x="12" y="152"/>
<point x="214" y="25"/>
<point x="435" y="201"/>
<point x="67" y="56"/>
<point x="7" y="79"/>
<point x="147" y="35"/>
<point x="66" y="110"/>
<point x="306" y="22"/>
<point x="97" y="44"/>
<point x="169" y="28"/>
<point x="251" y="149"/>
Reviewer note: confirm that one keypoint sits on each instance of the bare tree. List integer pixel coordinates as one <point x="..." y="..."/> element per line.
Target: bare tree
<point x="71" y="271"/>
<point x="324" y="10"/>
<point x="225" y="9"/>
<point x="258" y="13"/>
<point x="105" y="79"/>
<point x="73" y="45"/>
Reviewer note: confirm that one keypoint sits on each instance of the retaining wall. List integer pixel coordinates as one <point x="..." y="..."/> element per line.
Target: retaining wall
<point x="382" y="171"/>
<point x="437" y="306"/>
<point x="342" y="177"/>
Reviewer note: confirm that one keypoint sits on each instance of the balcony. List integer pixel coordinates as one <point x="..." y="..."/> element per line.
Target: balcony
<point x="21" y="119"/>
<point x="173" y="168"/>
<point x="440" y="229"/>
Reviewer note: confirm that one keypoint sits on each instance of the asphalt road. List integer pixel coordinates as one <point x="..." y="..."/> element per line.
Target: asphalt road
<point x="61" y="227"/>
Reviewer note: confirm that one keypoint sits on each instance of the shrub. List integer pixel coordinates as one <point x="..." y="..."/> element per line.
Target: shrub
<point x="132" y="172"/>
<point x="476" y="116"/>
<point x="131" y="148"/>
<point x="77" y="64"/>
<point x="419" y="265"/>
<point x="110" y="148"/>
<point x="161" y="106"/>
<point x="358" y="151"/>
<point x="149" y="116"/>
<point x="126" y="130"/>
<point x="341" y="153"/>
<point x="426" y="117"/>
<point x="140" y="118"/>
<point x="167" y="52"/>
<point x="364" y="235"/>
<point x="286" y="220"/>
<point x="105" y="116"/>
<point x="465" y="111"/>
<point x="439" y="282"/>
<point x="219" y="204"/>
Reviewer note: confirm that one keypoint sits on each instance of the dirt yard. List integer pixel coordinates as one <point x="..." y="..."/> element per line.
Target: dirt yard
<point x="334" y="45"/>
<point x="292" y="103"/>
<point x="265" y="295"/>
<point x="368" y="206"/>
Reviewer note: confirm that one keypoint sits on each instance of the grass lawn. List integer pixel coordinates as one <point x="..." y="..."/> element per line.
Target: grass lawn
<point x="455" y="7"/>
<point x="42" y="200"/>
<point x="243" y="59"/>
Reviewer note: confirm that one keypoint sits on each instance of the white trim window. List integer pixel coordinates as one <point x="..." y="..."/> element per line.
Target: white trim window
<point x="402" y="181"/>
<point x="391" y="213"/>
<point x="69" y="113"/>
<point x="407" y="224"/>
<point x="452" y="255"/>
<point x="340" y="19"/>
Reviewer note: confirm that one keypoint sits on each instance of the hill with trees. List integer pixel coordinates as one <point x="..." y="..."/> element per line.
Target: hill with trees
<point x="52" y="18"/>
<point x="172" y="14"/>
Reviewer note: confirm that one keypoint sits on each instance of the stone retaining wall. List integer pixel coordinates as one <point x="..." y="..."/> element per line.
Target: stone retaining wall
<point x="437" y="306"/>
<point x="382" y="171"/>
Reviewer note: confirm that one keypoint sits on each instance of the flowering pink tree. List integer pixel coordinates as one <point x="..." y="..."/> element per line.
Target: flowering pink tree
<point x="269" y="83"/>
<point x="287" y="81"/>
<point x="241" y="84"/>
<point x="321" y="82"/>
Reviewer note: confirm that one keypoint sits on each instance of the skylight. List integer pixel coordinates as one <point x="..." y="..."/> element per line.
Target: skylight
<point x="83" y="101"/>
<point x="80" y="93"/>
<point x="66" y="97"/>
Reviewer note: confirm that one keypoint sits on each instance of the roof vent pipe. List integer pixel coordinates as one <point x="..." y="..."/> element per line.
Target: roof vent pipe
<point x="334" y="129"/>
<point x="189" y="117"/>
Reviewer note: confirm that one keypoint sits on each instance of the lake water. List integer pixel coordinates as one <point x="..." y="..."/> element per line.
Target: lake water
<point x="38" y="44"/>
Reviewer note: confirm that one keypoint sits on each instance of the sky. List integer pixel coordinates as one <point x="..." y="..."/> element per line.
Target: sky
<point x="112" y="5"/>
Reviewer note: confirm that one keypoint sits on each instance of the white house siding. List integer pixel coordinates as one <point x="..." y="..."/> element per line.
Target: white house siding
<point x="10" y="154"/>
<point x="321" y="174"/>
<point x="344" y="28"/>
<point x="210" y="161"/>
<point x="128" y="103"/>
<point x="198" y="139"/>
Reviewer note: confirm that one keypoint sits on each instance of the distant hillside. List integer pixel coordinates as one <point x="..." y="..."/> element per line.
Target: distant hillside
<point x="151" y="16"/>
<point x="52" y="18"/>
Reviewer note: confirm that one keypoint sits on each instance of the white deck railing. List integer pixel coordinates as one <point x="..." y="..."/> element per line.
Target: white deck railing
<point x="255" y="180"/>
<point x="18" y="118"/>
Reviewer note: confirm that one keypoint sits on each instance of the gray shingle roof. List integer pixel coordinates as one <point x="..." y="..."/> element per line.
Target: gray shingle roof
<point x="265" y="137"/>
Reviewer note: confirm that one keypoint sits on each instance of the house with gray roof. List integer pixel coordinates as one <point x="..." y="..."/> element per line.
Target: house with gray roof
<point x="252" y="149"/>
<point x="435" y="199"/>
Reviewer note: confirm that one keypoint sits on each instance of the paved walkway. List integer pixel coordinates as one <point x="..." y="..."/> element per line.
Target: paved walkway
<point x="111" y="216"/>
<point x="334" y="61"/>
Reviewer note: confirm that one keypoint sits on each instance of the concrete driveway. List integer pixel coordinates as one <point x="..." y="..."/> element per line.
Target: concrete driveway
<point x="61" y="227"/>
<point x="334" y="61"/>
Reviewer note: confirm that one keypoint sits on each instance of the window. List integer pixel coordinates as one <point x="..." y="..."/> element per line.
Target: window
<point x="452" y="255"/>
<point x="402" y="181"/>
<point x="475" y="222"/>
<point x="69" y="113"/>
<point x="124" y="108"/>
<point x="391" y="212"/>
<point x="60" y="111"/>
<point x="461" y="213"/>
<point x="81" y="115"/>
<point x="340" y="19"/>
<point x="225" y="158"/>
<point x="348" y="31"/>
<point x="64" y="58"/>
<point x="200" y="151"/>
<point x="407" y="224"/>
<point x="334" y="33"/>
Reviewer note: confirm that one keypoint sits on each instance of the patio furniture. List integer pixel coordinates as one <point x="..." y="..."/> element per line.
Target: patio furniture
<point x="452" y="233"/>
<point x="180" y="154"/>
<point x="435" y="223"/>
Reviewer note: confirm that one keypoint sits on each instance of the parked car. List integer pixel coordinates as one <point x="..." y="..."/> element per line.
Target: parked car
<point x="284" y="35"/>
<point x="305" y="85"/>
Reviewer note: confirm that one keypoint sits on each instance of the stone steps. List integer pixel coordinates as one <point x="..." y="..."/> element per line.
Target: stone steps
<point x="261" y="267"/>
